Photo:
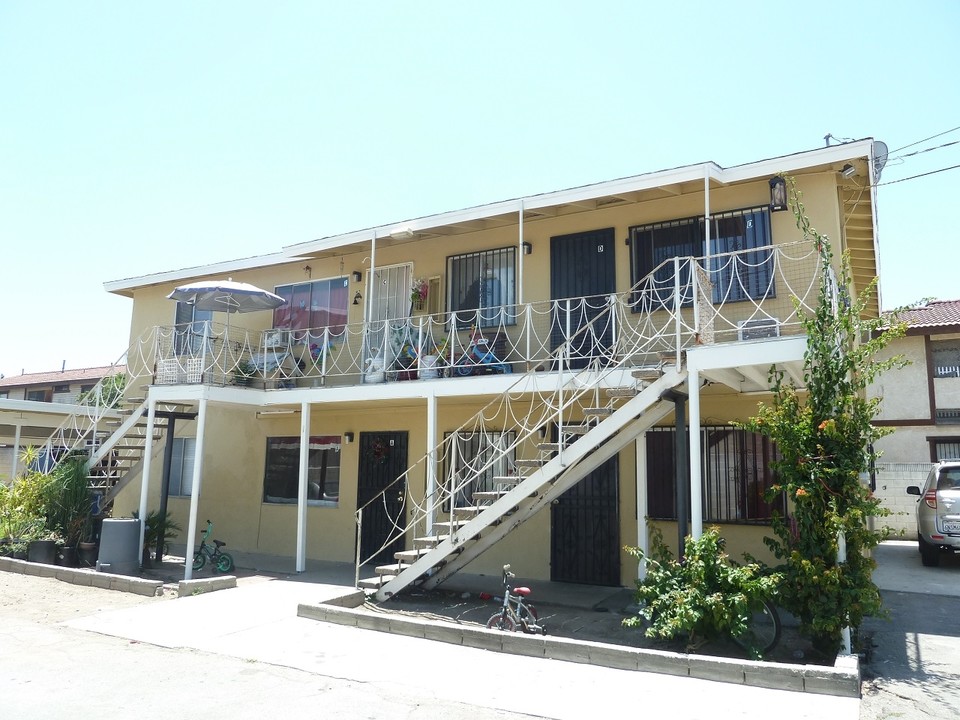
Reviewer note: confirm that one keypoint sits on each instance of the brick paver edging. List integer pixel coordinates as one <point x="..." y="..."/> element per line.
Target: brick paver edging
<point x="112" y="581"/>
<point x="83" y="576"/>
<point x="843" y="679"/>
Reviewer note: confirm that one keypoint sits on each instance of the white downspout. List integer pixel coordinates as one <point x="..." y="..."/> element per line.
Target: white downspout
<point x="16" y="452"/>
<point x="145" y="474"/>
<point x="693" y="423"/>
<point x="302" y="490"/>
<point x="195" y="490"/>
<point x="370" y="279"/>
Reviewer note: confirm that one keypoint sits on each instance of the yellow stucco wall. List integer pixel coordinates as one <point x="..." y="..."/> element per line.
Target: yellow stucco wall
<point x="235" y="439"/>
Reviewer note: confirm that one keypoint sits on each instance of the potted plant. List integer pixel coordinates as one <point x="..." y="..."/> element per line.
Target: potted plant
<point x="244" y="372"/>
<point x="69" y="506"/>
<point x="432" y="359"/>
<point x="157" y="528"/>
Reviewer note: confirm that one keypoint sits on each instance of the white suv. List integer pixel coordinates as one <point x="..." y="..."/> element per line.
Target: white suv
<point x="938" y="512"/>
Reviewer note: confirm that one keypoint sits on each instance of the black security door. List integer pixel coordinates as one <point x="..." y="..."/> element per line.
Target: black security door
<point x="585" y="530"/>
<point x="383" y="458"/>
<point x="582" y="265"/>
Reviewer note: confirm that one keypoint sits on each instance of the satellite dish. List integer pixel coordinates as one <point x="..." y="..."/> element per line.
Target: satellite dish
<point x="879" y="158"/>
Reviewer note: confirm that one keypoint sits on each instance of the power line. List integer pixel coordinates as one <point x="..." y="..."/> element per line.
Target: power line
<point x="945" y="132"/>
<point x="913" y="177"/>
<point x="926" y="150"/>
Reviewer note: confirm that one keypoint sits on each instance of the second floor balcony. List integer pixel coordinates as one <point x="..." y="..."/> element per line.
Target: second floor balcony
<point x="684" y="302"/>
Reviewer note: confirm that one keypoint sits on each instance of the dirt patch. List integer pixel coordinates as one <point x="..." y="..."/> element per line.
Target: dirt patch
<point x="604" y="623"/>
<point x="49" y="601"/>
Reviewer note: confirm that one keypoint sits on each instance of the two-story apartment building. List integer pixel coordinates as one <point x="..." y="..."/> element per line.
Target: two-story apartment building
<point x="501" y="383"/>
<point x="33" y="405"/>
<point x="921" y="402"/>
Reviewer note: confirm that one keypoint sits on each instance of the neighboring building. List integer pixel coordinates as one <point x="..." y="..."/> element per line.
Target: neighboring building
<point x="498" y="382"/>
<point x="33" y="405"/>
<point x="922" y="402"/>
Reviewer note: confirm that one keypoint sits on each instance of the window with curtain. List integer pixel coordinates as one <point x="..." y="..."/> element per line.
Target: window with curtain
<point x="736" y="471"/>
<point x="482" y="286"/>
<point x="281" y="480"/>
<point x="181" y="466"/>
<point x="192" y="329"/>
<point x="313" y="306"/>
<point x="741" y="266"/>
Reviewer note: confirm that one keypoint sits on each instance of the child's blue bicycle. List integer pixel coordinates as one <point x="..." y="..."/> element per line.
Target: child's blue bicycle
<point x="221" y="561"/>
<point x="479" y="359"/>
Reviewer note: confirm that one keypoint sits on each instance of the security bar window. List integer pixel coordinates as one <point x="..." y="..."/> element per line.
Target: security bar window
<point x="482" y="287"/>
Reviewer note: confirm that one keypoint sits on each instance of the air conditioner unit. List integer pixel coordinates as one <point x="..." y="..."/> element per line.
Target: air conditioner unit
<point x="758" y="329"/>
<point x="277" y="338"/>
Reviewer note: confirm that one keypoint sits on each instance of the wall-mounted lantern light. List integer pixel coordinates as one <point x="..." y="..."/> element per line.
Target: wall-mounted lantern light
<point x="357" y="276"/>
<point x="778" y="194"/>
<point x="527" y="248"/>
<point x="348" y="437"/>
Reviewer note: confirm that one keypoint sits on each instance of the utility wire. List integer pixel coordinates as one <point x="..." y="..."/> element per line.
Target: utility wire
<point x="945" y="132"/>
<point x="926" y="150"/>
<point x="913" y="177"/>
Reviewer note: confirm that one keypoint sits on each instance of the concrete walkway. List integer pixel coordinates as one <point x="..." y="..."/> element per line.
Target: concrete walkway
<point x="258" y="621"/>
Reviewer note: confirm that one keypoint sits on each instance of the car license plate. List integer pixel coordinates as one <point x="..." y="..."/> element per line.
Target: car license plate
<point x="951" y="527"/>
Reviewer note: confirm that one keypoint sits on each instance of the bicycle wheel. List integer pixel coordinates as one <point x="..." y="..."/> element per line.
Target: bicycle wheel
<point x="199" y="560"/>
<point x="501" y="621"/>
<point x="763" y="630"/>
<point x="224" y="563"/>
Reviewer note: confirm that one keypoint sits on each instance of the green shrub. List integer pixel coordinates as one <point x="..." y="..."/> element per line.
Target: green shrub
<point x="703" y="597"/>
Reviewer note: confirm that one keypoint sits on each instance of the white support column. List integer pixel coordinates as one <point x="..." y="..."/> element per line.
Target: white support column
<point x="520" y="250"/>
<point x="302" y="491"/>
<point x="693" y="422"/>
<point x="370" y="280"/>
<point x="842" y="559"/>
<point x="707" y="250"/>
<point x="641" y="477"/>
<point x="432" y="462"/>
<point x="16" y="452"/>
<point x="145" y="475"/>
<point x="195" y="490"/>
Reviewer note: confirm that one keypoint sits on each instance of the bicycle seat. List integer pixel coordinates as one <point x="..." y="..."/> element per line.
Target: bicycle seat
<point x="219" y="543"/>
<point x="521" y="591"/>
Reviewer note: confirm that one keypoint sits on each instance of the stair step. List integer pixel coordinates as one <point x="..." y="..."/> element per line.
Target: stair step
<point x="577" y="429"/>
<point x="429" y="541"/>
<point x="598" y="411"/>
<point x="549" y="446"/>
<point x="508" y="479"/>
<point x="374" y="583"/>
<point x="448" y="526"/>
<point x="408" y="557"/>
<point x="649" y="372"/>
<point x="467" y="511"/>
<point x="491" y="495"/>
<point x="135" y="400"/>
<point x="621" y="392"/>
<point x="391" y="570"/>
<point x="530" y="462"/>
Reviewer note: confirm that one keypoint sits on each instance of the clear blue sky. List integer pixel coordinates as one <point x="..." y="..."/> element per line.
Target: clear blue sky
<point x="143" y="137"/>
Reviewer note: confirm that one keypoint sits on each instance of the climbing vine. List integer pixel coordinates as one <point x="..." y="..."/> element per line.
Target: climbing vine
<point x="824" y="434"/>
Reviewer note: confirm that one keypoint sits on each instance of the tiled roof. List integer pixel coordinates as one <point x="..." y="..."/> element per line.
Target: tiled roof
<point x="935" y="313"/>
<point x="61" y="377"/>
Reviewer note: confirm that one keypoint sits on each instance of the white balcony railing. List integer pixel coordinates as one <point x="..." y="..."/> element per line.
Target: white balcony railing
<point x="683" y="302"/>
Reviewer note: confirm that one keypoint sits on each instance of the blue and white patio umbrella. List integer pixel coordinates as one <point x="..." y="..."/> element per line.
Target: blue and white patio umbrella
<point x="226" y="296"/>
